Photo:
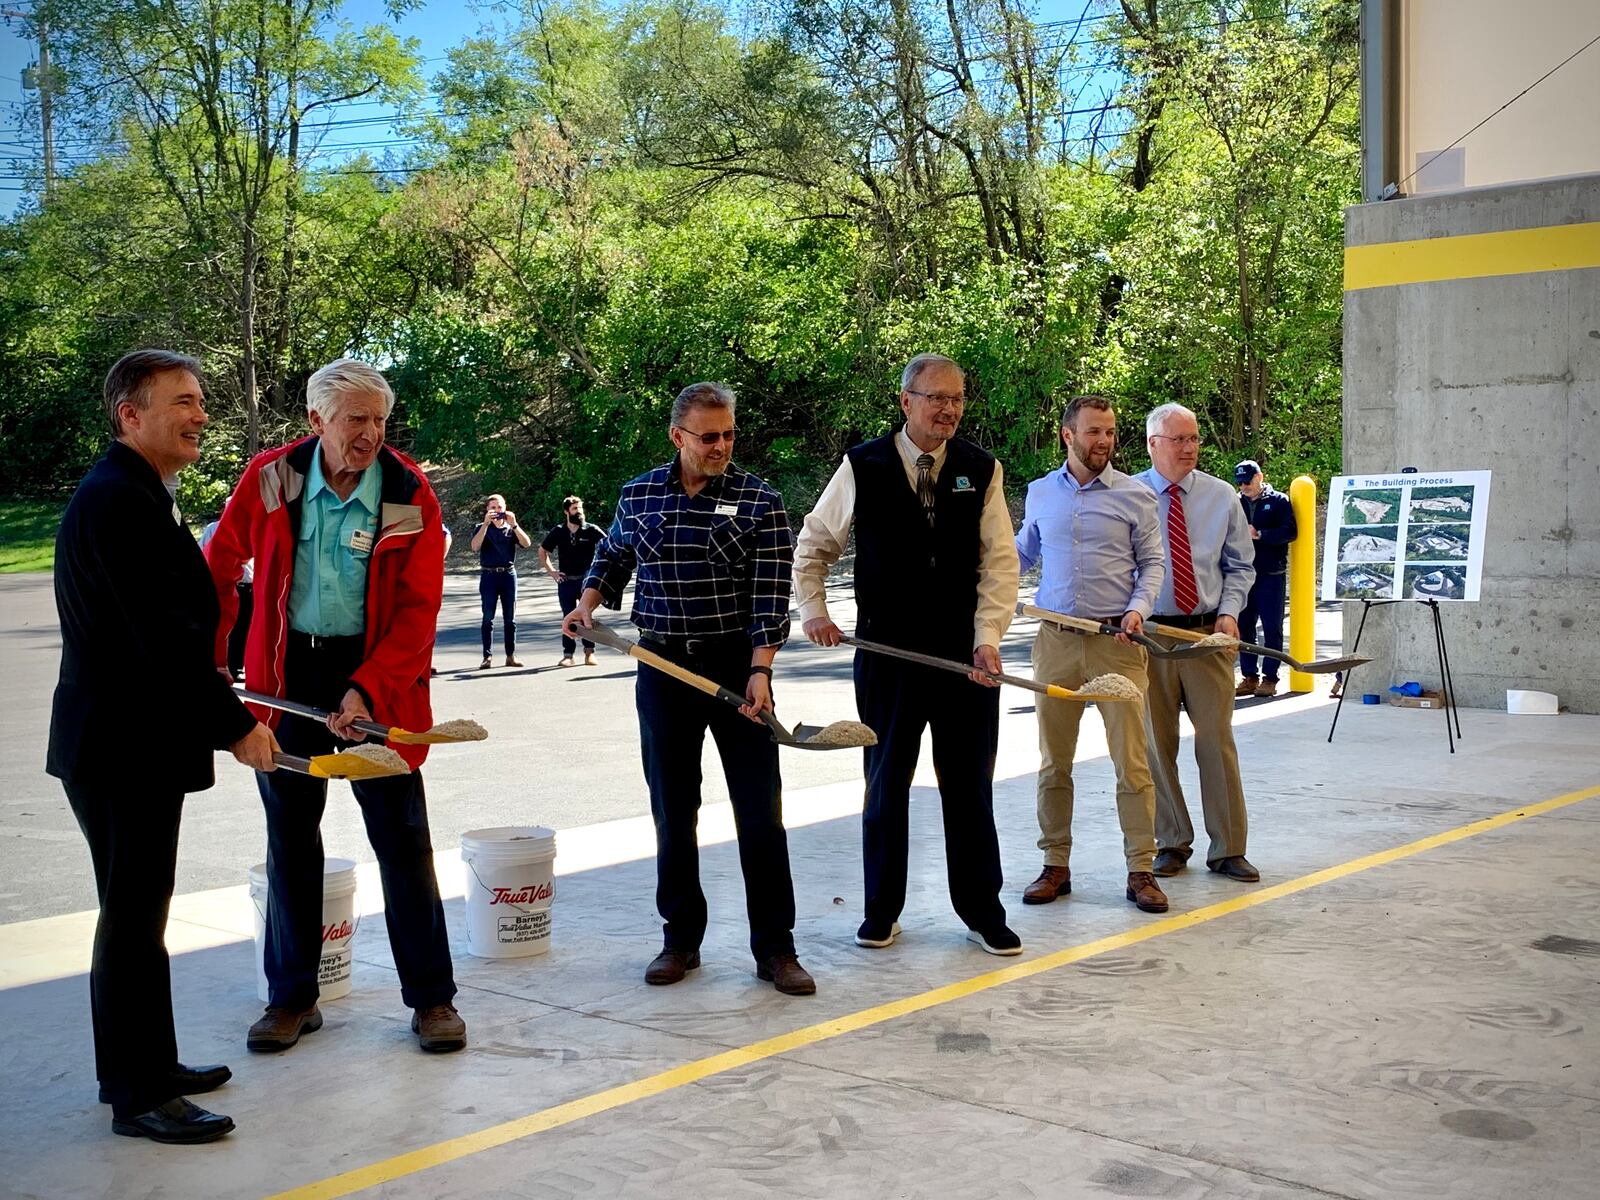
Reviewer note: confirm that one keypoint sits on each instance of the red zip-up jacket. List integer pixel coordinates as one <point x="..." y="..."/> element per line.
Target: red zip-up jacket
<point x="405" y="582"/>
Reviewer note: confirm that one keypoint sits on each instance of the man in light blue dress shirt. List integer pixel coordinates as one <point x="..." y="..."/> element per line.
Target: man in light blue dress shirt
<point x="1094" y="530"/>
<point x="1210" y="569"/>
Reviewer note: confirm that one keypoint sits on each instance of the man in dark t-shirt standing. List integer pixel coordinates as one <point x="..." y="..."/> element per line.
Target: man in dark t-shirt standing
<point x="572" y="542"/>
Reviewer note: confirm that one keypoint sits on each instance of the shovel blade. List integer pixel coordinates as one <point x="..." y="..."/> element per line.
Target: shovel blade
<point x="352" y="766"/>
<point x="1327" y="666"/>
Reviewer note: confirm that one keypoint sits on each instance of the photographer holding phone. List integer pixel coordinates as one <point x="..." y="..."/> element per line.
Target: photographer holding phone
<point x="496" y="541"/>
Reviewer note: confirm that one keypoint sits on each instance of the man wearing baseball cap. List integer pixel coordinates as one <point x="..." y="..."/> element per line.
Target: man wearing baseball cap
<point x="1272" y="528"/>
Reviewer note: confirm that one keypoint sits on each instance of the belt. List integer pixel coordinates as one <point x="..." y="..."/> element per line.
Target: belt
<point x="1185" y="620"/>
<point x="694" y="646"/>
<point x="321" y="641"/>
<point x="497" y="570"/>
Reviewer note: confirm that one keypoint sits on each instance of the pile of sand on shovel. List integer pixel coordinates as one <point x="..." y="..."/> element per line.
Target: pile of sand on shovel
<point x="1113" y="684"/>
<point x="460" y="731"/>
<point x="1217" y="641"/>
<point x="844" y="733"/>
<point x="379" y="756"/>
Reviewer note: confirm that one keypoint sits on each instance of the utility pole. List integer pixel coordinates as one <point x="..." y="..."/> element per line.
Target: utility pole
<point x="44" y="81"/>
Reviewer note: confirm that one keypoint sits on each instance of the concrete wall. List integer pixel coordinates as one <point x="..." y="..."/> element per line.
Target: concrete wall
<point x="1498" y="373"/>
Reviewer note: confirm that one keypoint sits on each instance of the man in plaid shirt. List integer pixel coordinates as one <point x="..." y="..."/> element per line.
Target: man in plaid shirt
<point x="711" y="548"/>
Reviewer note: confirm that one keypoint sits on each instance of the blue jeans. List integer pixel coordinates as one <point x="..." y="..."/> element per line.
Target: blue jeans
<point x="501" y="587"/>
<point x="1265" y="607"/>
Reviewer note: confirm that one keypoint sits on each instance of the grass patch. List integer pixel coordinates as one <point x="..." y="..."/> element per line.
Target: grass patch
<point x="28" y="535"/>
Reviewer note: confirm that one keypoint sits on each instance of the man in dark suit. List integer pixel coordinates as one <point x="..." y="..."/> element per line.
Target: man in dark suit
<point x="138" y="612"/>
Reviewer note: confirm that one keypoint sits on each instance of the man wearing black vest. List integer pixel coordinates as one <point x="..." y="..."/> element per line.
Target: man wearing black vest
<point x="935" y="572"/>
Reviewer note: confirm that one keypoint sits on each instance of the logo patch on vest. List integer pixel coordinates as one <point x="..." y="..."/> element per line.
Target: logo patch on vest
<point x="963" y="484"/>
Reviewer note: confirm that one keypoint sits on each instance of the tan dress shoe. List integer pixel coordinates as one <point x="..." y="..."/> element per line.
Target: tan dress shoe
<point x="1052" y="882"/>
<point x="1267" y="687"/>
<point x="513" y="661"/>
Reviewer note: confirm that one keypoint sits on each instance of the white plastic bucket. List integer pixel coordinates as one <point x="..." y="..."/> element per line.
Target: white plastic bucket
<point x="339" y="924"/>
<point x="510" y="882"/>
<point x="1531" y="704"/>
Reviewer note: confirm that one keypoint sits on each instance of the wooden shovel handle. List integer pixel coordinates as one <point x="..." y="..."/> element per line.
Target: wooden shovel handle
<point x="1062" y="619"/>
<point x="1172" y="631"/>
<point x="666" y="666"/>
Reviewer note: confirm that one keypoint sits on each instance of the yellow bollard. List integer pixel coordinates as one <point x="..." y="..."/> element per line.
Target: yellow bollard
<point x="1303" y="579"/>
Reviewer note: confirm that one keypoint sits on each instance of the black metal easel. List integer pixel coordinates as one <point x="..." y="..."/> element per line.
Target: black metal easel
<point x="1447" y="684"/>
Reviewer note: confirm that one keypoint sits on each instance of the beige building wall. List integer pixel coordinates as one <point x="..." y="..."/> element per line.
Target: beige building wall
<point x="1463" y="59"/>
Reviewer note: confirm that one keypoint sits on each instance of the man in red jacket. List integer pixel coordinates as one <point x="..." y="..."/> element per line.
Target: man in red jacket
<point x="349" y="553"/>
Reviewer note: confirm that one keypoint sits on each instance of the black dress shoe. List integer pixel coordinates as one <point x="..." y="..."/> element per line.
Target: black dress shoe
<point x="177" y="1121"/>
<point x="191" y="1081"/>
<point x="1238" y="867"/>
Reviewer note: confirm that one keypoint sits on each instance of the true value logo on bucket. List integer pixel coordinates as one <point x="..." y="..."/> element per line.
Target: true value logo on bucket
<point x="525" y="895"/>
<point x="337" y="933"/>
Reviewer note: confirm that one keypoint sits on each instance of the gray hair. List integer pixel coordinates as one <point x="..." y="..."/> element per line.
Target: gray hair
<point x="344" y="378"/>
<point x="128" y="381"/>
<point x="702" y="395"/>
<point x="1159" y="417"/>
<point x="921" y="363"/>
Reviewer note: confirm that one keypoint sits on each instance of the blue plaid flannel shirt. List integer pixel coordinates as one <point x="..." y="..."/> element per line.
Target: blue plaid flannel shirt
<point x="716" y="563"/>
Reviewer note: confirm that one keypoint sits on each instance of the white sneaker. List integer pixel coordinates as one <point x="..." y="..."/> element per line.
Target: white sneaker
<point x="1005" y="942"/>
<point x="864" y="937"/>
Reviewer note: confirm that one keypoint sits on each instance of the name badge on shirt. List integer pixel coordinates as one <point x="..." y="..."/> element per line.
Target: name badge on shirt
<point x="963" y="484"/>
<point x="727" y="510"/>
<point x="360" y="541"/>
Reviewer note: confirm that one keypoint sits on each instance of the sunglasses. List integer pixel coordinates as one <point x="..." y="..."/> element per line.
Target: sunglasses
<point x="709" y="439"/>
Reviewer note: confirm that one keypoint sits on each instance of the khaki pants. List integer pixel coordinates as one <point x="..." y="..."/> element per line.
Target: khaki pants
<point x="1069" y="660"/>
<point x="1204" y="687"/>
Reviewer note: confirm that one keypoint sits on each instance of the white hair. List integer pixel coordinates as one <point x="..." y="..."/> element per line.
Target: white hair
<point x="1159" y="416"/>
<point x="921" y="363"/>
<point x="344" y="378"/>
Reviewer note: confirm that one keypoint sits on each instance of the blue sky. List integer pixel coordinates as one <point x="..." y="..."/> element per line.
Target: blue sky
<point x="437" y="26"/>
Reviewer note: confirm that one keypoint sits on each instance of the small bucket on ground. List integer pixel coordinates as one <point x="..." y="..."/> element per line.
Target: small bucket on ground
<point x="510" y="883"/>
<point x="339" y="924"/>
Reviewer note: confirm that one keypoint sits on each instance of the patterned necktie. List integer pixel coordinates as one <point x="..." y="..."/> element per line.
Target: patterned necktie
<point x="1184" y="592"/>
<point x="925" y="485"/>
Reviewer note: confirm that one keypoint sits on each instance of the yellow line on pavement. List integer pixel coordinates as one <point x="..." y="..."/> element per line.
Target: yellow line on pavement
<point x="455" y="1148"/>
<point x="1472" y="256"/>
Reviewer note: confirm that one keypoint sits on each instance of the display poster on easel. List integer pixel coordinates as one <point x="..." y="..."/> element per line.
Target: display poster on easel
<point x="1405" y="536"/>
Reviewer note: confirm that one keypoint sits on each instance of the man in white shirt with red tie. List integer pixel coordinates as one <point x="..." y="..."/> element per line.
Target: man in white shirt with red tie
<point x="1210" y="569"/>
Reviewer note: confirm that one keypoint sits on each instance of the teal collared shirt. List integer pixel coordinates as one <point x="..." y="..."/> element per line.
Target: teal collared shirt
<point x="328" y="596"/>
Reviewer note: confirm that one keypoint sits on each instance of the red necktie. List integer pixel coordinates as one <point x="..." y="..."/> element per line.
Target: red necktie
<point x="1184" y="592"/>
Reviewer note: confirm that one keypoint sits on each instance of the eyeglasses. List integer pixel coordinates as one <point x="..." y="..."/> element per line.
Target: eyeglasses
<point x="709" y="439"/>
<point x="939" y="399"/>
<point x="1187" y="439"/>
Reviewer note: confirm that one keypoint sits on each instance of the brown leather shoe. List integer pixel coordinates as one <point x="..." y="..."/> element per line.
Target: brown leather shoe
<point x="1052" y="882"/>
<point x="670" y="966"/>
<point x="513" y="661"/>
<point x="1168" y="863"/>
<point x="784" y="972"/>
<point x="439" y="1029"/>
<point x="1267" y="687"/>
<point x="1142" y="890"/>
<point x="1247" y="686"/>
<point x="279" y="1028"/>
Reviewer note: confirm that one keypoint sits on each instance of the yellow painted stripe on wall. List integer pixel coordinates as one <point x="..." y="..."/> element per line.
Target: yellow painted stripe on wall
<point x="1472" y="256"/>
<point x="453" y="1149"/>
